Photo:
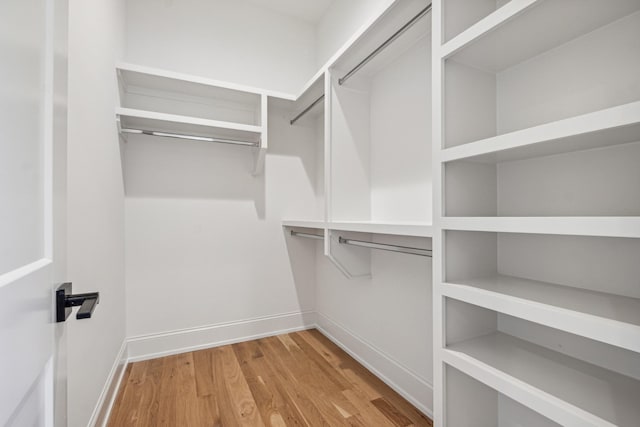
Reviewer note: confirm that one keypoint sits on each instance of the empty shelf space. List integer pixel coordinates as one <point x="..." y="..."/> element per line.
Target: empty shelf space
<point x="465" y="21"/>
<point x="569" y="391"/>
<point x="574" y="86"/>
<point x="523" y="29"/>
<point x="611" y="126"/>
<point x="575" y="226"/>
<point x="399" y="229"/>
<point x="317" y="224"/>
<point x="484" y="406"/>
<point x="171" y="123"/>
<point x="133" y="75"/>
<point x="599" y="182"/>
<point x="609" y="318"/>
<point x="163" y="91"/>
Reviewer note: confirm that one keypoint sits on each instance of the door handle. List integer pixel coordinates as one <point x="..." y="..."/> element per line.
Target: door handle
<point x="65" y="301"/>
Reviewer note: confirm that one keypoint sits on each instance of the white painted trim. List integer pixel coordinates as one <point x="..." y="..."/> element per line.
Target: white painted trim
<point x="485" y="25"/>
<point x="21" y="272"/>
<point x="185" y="340"/>
<point x="101" y="412"/>
<point x="189" y="78"/>
<point x="188" y="120"/>
<point x="415" y="389"/>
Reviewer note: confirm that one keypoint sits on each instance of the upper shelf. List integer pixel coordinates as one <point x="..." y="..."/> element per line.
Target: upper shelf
<point x="172" y="123"/>
<point x="611" y="126"/>
<point x="171" y="81"/>
<point x="523" y="29"/>
<point x="164" y="103"/>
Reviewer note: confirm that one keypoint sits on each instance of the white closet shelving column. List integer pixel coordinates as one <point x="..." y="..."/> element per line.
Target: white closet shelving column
<point x="536" y="215"/>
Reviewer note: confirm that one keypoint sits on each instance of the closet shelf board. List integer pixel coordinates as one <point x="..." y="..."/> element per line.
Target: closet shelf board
<point x="485" y="25"/>
<point x="138" y="75"/>
<point x="611" y="126"/>
<point x="399" y="229"/>
<point x="603" y="317"/>
<point x="162" y="122"/>
<point x="524" y="29"/>
<point x="319" y="225"/>
<point x="564" y="389"/>
<point x="570" y="226"/>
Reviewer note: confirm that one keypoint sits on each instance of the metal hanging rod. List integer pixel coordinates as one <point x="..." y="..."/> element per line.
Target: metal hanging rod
<point x="386" y="43"/>
<point x="370" y="245"/>
<point x="386" y="247"/>
<point x="189" y="137"/>
<point x="307" y="235"/>
<point x="306" y="110"/>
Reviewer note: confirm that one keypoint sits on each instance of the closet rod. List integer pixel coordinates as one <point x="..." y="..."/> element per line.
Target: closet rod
<point x="189" y="137"/>
<point x="307" y="235"/>
<point x="306" y="110"/>
<point x="386" y="43"/>
<point x="386" y="247"/>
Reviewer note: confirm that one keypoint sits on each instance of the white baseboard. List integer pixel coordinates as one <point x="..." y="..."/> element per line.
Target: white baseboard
<point x="185" y="340"/>
<point x="408" y="384"/>
<point x="109" y="392"/>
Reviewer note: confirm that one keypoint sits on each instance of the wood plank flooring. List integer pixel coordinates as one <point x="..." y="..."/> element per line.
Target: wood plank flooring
<point x="297" y="379"/>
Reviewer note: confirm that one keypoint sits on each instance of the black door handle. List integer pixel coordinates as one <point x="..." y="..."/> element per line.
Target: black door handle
<point x="65" y="300"/>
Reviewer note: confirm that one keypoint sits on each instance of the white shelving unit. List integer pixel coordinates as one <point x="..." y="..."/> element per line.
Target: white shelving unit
<point x="365" y="170"/>
<point x="378" y="115"/>
<point x="566" y="390"/>
<point x="608" y="318"/>
<point x="166" y="104"/>
<point x="395" y="229"/>
<point x="537" y="214"/>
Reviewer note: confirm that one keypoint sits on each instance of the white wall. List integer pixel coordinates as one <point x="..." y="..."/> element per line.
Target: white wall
<point x="207" y="260"/>
<point x="95" y="200"/>
<point x="229" y="40"/>
<point x="400" y="138"/>
<point x="341" y="20"/>
<point x="385" y="320"/>
<point x="205" y="244"/>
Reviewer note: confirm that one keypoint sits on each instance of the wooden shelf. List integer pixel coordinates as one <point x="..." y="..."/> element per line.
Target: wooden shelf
<point x="564" y="389"/>
<point x="611" y="126"/>
<point x="527" y="28"/>
<point x="571" y="226"/>
<point x="162" y="122"/>
<point x="608" y="318"/>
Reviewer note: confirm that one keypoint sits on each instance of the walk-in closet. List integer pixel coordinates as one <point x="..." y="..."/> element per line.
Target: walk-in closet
<point x="320" y="213"/>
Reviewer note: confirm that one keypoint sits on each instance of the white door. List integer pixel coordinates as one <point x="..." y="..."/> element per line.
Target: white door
<point x="32" y="210"/>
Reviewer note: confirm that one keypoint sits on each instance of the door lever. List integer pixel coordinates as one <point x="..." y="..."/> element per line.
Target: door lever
<point x="65" y="300"/>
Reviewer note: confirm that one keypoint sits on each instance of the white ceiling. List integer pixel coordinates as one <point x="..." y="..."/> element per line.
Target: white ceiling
<point x="308" y="10"/>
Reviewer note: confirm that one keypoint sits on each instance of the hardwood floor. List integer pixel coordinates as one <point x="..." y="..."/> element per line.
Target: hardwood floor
<point x="297" y="379"/>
